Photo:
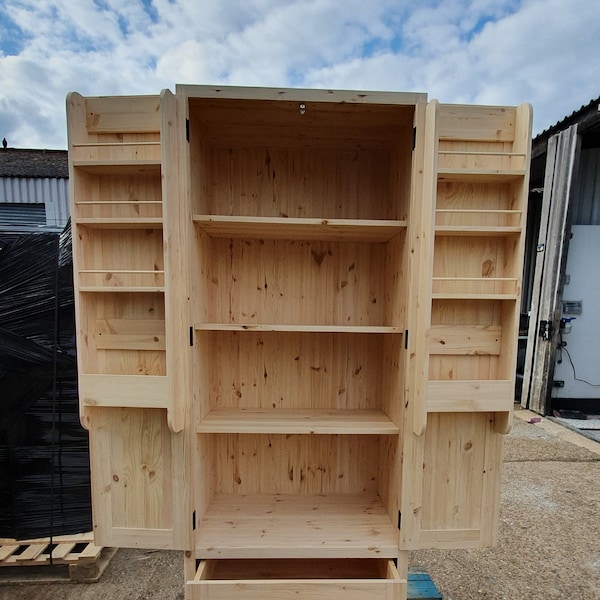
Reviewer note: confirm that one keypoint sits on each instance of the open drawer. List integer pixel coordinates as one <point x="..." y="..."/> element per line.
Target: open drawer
<point x="302" y="579"/>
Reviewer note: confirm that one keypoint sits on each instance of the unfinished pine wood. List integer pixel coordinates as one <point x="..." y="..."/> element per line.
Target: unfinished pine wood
<point x="141" y="391"/>
<point x="476" y="123"/>
<point x="127" y="259"/>
<point x="290" y="421"/>
<point x="468" y="339"/>
<point x="123" y="114"/>
<point x="121" y="223"/>
<point x="455" y="443"/>
<point x="255" y="159"/>
<point x="283" y="370"/>
<point x="135" y="481"/>
<point x="114" y="325"/>
<point x="314" y="579"/>
<point x="294" y="526"/>
<point x="297" y="282"/>
<point x="117" y="152"/>
<point x="470" y="396"/>
<point x="294" y="464"/>
<point x="176" y="234"/>
<point x="334" y="230"/>
<point x="116" y="196"/>
<point x="307" y="308"/>
<point x="285" y="327"/>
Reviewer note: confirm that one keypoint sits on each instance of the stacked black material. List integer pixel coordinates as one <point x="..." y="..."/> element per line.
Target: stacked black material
<point x="44" y="456"/>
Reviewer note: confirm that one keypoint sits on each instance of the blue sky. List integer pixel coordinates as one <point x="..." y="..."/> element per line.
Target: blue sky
<point x="466" y="51"/>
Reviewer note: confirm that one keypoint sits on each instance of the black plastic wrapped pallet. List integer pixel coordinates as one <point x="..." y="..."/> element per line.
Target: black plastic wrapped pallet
<point x="44" y="456"/>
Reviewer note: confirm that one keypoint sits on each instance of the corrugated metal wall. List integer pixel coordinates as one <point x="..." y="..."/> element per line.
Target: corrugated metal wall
<point x="52" y="192"/>
<point x="586" y="207"/>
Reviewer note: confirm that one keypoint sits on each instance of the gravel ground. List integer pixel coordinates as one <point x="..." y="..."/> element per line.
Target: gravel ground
<point x="549" y="537"/>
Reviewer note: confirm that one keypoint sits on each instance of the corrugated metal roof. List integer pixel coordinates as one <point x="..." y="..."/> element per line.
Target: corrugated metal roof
<point x="54" y="193"/>
<point x="583" y="113"/>
<point x="19" y="162"/>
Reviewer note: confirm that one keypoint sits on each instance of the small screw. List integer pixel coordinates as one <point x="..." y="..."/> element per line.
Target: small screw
<point x="302" y="108"/>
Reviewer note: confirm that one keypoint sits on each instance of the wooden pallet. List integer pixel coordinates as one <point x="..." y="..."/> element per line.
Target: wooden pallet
<point x="68" y="558"/>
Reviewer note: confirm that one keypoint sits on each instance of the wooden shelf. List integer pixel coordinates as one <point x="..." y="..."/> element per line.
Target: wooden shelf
<point x="293" y="328"/>
<point x="475" y="287"/>
<point x="131" y="167"/>
<point x="121" y="289"/>
<point x="480" y="175"/>
<point x="296" y="526"/>
<point x="121" y="223"/>
<point x="476" y="230"/>
<point x="135" y="391"/>
<point x="256" y="420"/>
<point x="470" y="395"/>
<point x="118" y="202"/>
<point x="335" y="230"/>
<point x="472" y="296"/>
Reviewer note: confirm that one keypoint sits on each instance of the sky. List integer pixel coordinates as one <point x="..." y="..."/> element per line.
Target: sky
<point x="498" y="52"/>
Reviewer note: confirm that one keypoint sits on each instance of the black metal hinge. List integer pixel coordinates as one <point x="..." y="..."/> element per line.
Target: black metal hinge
<point x="414" y="138"/>
<point x="399" y="520"/>
<point x="187" y="130"/>
<point x="191" y="336"/>
<point x="406" y="339"/>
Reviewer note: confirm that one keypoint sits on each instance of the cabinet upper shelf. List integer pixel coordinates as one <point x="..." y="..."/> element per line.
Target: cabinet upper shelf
<point x="256" y="420"/>
<point x="479" y="175"/>
<point x="108" y="167"/>
<point x="294" y="328"/>
<point x="354" y="230"/>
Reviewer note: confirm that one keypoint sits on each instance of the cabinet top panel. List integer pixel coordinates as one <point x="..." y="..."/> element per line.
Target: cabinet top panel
<point x="300" y="95"/>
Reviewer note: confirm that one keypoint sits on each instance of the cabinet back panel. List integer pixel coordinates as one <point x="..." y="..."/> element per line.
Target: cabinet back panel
<point x="294" y="370"/>
<point x="267" y="281"/>
<point x="120" y="307"/>
<point x="477" y="197"/>
<point x="275" y="182"/>
<point x="464" y="367"/>
<point x="134" y="249"/>
<point x="118" y="196"/>
<point x="473" y="364"/>
<point x="481" y="257"/>
<point x="296" y="464"/>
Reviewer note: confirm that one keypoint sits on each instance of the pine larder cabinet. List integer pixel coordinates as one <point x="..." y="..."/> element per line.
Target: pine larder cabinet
<point x="297" y="315"/>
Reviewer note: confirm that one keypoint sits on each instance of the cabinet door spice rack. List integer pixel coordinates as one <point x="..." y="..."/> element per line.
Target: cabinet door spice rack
<point x="297" y="321"/>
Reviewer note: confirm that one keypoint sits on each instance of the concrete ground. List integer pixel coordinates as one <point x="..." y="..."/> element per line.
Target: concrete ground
<point x="549" y="537"/>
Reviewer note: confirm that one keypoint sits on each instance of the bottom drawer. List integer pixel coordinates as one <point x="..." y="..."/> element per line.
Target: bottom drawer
<point x="301" y="579"/>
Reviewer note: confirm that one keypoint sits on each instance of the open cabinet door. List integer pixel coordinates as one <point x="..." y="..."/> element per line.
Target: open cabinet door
<point x="131" y="350"/>
<point x="138" y="480"/>
<point x="476" y="166"/>
<point x="550" y="264"/>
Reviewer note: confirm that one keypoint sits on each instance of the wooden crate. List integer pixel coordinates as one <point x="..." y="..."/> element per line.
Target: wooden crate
<point x="297" y="323"/>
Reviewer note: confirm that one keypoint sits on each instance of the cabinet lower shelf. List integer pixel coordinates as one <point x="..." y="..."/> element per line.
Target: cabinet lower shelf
<point x="256" y="420"/>
<point x="296" y="526"/>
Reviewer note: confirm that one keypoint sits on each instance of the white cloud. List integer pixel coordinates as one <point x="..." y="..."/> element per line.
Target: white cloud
<point x="487" y="51"/>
